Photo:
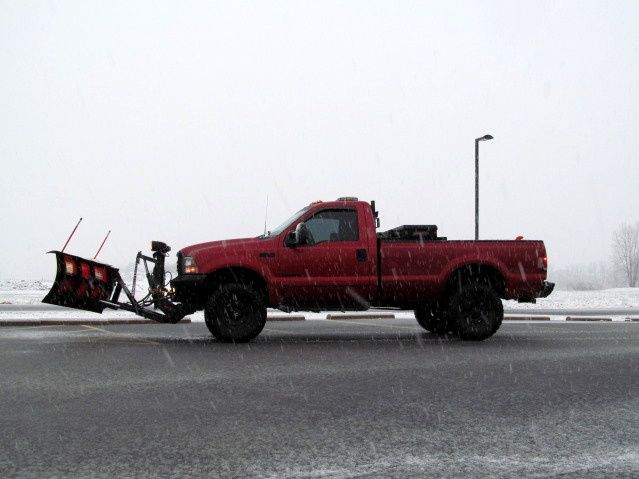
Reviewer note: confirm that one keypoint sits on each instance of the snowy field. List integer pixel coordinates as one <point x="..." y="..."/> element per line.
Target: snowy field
<point x="23" y="292"/>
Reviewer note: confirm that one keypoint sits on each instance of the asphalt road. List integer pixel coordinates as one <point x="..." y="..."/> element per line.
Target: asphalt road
<point x="320" y="399"/>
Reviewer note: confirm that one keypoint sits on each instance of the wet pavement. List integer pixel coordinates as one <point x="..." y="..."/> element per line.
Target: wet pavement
<point x="363" y="398"/>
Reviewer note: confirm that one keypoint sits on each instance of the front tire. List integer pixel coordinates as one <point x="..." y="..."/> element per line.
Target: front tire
<point x="235" y="313"/>
<point x="476" y="311"/>
<point x="432" y="318"/>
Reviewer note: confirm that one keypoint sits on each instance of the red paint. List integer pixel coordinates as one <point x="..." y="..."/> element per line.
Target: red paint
<point x="85" y="270"/>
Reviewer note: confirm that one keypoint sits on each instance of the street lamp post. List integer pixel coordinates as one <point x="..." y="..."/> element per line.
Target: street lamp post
<point x="477" y="140"/>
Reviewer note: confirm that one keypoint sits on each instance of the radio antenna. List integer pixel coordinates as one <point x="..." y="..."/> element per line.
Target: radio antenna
<point x="266" y="214"/>
<point x="71" y="235"/>
<point x="100" y="248"/>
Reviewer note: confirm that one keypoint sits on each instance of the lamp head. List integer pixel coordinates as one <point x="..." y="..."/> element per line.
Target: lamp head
<point x="485" y="137"/>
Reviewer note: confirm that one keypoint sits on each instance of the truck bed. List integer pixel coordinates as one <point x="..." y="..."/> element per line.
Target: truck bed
<point x="425" y="265"/>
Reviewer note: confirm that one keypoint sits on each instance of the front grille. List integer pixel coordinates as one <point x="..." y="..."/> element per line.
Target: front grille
<point x="180" y="263"/>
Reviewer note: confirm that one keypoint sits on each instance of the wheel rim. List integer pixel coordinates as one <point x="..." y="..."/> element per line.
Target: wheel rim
<point x="476" y="312"/>
<point x="238" y="310"/>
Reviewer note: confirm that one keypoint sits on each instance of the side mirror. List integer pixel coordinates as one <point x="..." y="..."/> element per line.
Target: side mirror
<point x="291" y="239"/>
<point x="297" y="237"/>
<point x="301" y="232"/>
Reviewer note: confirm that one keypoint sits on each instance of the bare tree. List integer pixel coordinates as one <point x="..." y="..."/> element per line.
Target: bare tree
<point x="625" y="248"/>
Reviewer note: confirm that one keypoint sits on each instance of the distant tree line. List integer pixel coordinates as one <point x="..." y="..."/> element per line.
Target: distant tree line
<point x="586" y="277"/>
<point x="620" y="270"/>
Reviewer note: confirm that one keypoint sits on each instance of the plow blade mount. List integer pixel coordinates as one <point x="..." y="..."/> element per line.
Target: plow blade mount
<point x="81" y="283"/>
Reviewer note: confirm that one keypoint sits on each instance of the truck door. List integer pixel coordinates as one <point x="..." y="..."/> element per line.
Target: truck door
<point x="333" y="268"/>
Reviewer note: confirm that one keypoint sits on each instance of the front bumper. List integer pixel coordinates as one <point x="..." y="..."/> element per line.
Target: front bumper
<point x="547" y="289"/>
<point x="189" y="288"/>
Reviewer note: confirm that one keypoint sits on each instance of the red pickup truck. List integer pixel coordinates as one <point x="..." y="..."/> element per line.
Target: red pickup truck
<point x="329" y="256"/>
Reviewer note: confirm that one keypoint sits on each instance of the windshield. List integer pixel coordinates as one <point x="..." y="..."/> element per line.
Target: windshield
<point x="286" y="224"/>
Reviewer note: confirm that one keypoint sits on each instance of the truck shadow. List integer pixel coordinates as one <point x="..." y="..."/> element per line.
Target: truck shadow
<point x="277" y="339"/>
<point x="278" y="336"/>
<point x="335" y="343"/>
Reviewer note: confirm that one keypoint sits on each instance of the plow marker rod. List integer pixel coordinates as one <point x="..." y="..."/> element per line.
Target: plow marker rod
<point x="71" y="235"/>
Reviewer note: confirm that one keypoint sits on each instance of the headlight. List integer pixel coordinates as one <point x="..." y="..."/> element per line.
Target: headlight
<point x="189" y="265"/>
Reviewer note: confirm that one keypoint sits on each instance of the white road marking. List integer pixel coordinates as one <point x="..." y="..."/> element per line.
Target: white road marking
<point x="121" y="335"/>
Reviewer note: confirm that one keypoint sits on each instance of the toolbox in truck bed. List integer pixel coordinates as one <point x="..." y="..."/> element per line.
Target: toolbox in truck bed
<point x="411" y="233"/>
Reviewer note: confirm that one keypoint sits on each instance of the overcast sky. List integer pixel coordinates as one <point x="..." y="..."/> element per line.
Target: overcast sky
<point x="174" y="121"/>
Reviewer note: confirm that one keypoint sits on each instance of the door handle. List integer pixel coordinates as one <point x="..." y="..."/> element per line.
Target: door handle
<point x="361" y="254"/>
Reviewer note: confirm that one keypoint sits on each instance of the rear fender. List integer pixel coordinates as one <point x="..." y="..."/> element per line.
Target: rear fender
<point x="464" y="268"/>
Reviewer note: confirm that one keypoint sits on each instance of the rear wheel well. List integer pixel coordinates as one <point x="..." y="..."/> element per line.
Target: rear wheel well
<point x="238" y="275"/>
<point x="478" y="274"/>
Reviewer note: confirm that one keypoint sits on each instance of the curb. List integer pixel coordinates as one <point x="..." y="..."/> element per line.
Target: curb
<point x="71" y="322"/>
<point x="286" y="318"/>
<point x="361" y="316"/>
<point x="586" y="318"/>
<point x="526" y="318"/>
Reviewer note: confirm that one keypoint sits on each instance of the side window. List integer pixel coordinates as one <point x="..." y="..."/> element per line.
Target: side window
<point x="333" y="225"/>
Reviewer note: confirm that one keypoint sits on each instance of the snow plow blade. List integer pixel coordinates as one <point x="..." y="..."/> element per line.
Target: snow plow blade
<point x="81" y="283"/>
<point x="87" y="285"/>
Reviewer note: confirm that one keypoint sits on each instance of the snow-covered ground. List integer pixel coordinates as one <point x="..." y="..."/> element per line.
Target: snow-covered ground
<point x="600" y="299"/>
<point x="23" y="292"/>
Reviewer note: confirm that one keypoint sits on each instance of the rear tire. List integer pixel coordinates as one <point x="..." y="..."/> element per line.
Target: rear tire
<point x="476" y="311"/>
<point x="235" y="313"/>
<point x="432" y="318"/>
